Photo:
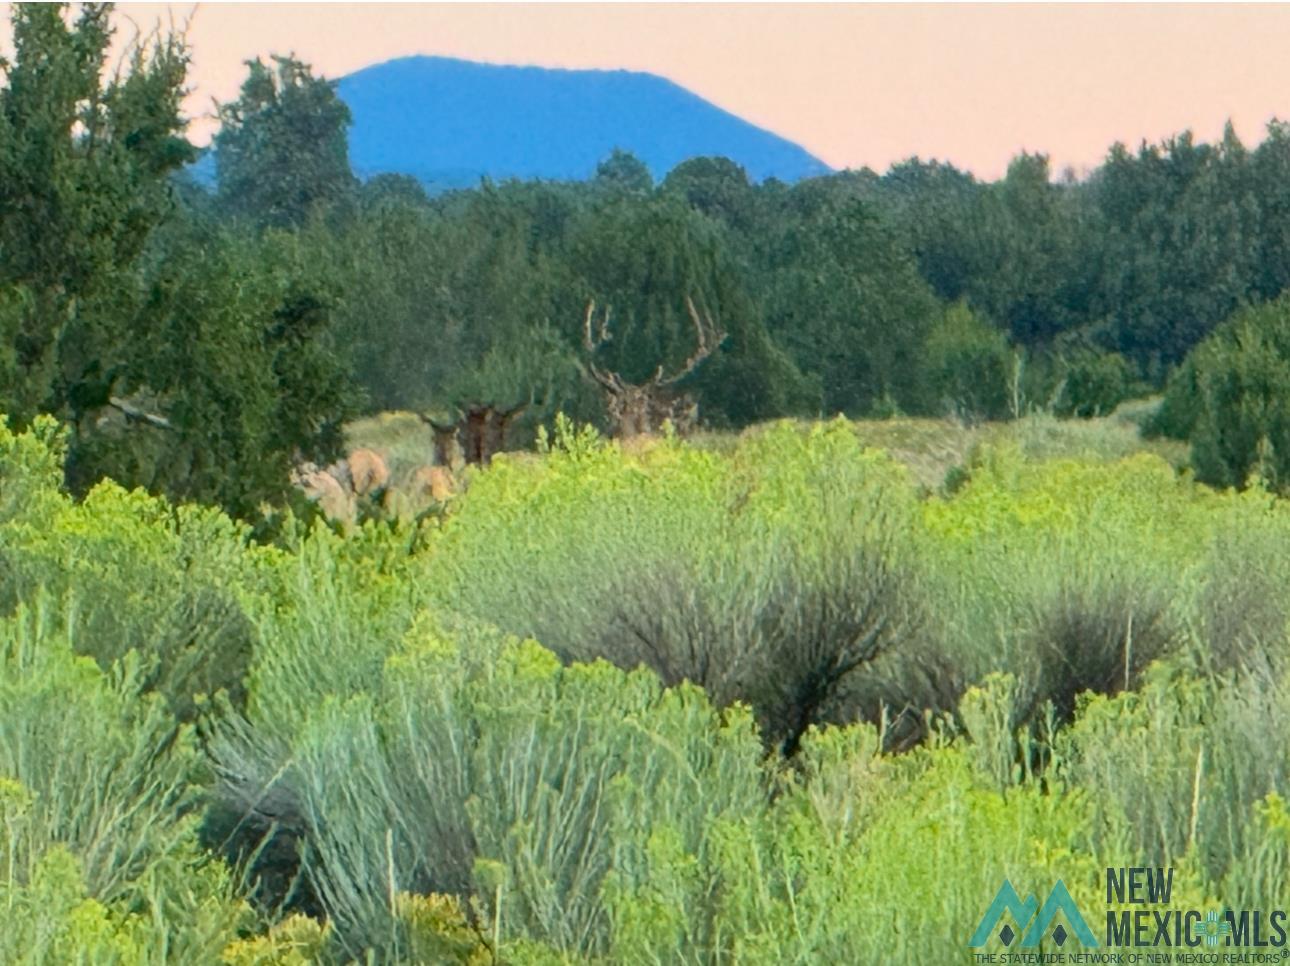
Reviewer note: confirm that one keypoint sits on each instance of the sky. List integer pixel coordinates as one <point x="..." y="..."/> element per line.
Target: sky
<point x="856" y="84"/>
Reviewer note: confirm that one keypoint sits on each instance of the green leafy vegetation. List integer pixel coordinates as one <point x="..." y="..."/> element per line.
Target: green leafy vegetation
<point x="713" y="679"/>
<point x="651" y="701"/>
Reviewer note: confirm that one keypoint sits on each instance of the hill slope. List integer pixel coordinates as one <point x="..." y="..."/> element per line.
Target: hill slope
<point x="448" y="122"/>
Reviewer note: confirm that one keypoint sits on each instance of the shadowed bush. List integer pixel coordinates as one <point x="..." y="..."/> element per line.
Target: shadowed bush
<point x="707" y="576"/>
<point x="99" y="803"/>
<point x="1097" y="639"/>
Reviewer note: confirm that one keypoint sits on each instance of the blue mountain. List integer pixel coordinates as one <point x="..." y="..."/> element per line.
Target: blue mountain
<point x="450" y="122"/>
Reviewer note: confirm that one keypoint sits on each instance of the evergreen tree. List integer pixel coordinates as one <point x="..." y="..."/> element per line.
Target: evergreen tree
<point x="84" y="167"/>
<point x="282" y="149"/>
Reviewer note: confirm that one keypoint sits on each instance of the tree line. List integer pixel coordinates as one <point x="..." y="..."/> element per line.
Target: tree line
<point x="199" y="339"/>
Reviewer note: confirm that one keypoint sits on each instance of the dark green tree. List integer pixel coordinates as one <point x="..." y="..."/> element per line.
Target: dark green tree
<point x="230" y="376"/>
<point x="84" y="179"/>
<point x="716" y="187"/>
<point x="937" y="209"/>
<point x="969" y="365"/>
<point x="642" y="260"/>
<point x="843" y="295"/>
<point x="1039" y="278"/>
<point x="1234" y="392"/>
<point x="1089" y="381"/>
<point x="452" y="304"/>
<point x="623" y="173"/>
<point x="1269" y="183"/>
<point x="282" y="150"/>
<point x="384" y="190"/>
<point x="1179" y="224"/>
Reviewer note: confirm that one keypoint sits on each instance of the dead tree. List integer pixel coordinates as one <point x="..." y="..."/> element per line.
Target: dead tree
<point x="636" y="409"/>
<point x="477" y="435"/>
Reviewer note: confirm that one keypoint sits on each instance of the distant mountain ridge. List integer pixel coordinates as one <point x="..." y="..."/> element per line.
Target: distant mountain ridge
<point x="450" y="122"/>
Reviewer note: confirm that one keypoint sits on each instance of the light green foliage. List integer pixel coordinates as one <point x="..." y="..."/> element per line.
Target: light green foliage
<point x="1052" y="563"/>
<point x="50" y="919"/>
<point x="1202" y="747"/>
<point x="1262" y="873"/>
<point x="98" y="846"/>
<point x="1041" y="435"/>
<point x="296" y="941"/>
<point x="111" y="563"/>
<point x="470" y="750"/>
<point x="988" y="713"/>
<point x="31" y="467"/>
<point x="805" y="694"/>
<point x="409" y="779"/>
<point x="776" y="576"/>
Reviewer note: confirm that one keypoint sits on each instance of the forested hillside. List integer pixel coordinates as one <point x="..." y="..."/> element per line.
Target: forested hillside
<point x="798" y="562"/>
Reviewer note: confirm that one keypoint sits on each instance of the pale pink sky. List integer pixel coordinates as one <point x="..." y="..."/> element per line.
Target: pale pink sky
<point x="855" y="84"/>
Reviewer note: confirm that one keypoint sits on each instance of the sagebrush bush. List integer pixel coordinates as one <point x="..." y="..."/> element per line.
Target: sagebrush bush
<point x="694" y="567"/>
<point x="536" y="730"/>
<point x="1201" y="745"/>
<point x="1095" y="638"/>
<point x="99" y="802"/>
<point x="171" y="584"/>
<point x="1242" y="606"/>
<point x="492" y="771"/>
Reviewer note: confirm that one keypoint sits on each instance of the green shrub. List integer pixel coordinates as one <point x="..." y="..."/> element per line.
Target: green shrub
<point x="406" y="778"/>
<point x="1180" y="407"/>
<point x="1093" y="382"/>
<point x="479" y="765"/>
<point x="1241" y="603"/>
<point x="1201" y="746"/>
<point x="99" y="806"/>
<point x="170" y="583"/>
<point x="1098" y="637"/>
<point x="340" y="607"/>
<point x="1239" y="379"/>
<point x="775" y="576"/>
<point x="1261" y="873"/>
<point x="969" y="365"/>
